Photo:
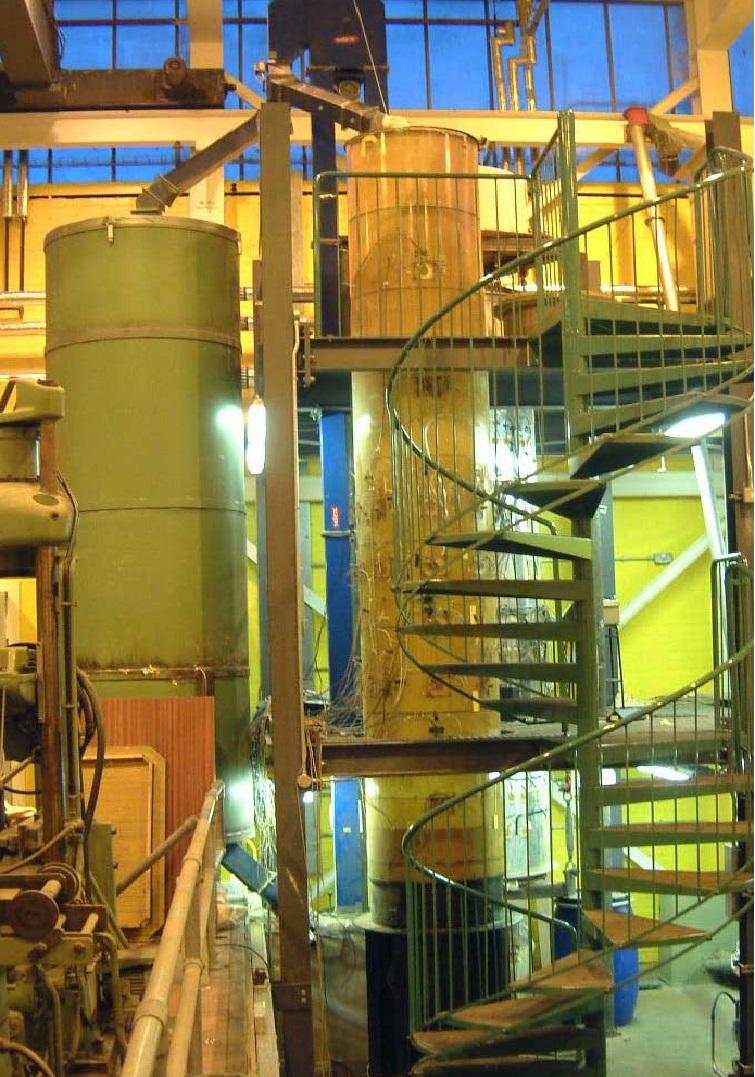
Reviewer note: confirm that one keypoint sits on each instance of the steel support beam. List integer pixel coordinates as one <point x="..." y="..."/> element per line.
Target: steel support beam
<point x="189" y="127"/>
<point x="284" y="589"/>
<point x="29" y="42"/>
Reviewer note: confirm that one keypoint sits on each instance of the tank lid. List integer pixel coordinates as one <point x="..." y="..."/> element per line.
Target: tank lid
<point x="412" y="129"/>
<point x="188" y="224"/>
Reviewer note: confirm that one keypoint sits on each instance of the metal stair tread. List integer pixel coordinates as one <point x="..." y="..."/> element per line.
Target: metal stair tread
<point x="675" y="832"/>
<point x="520" y="1064"/>
<point x="581" y="971"/>
<point x="563" y="547"/>
<point x="621" y="929"/>
<point x="583" y="496"/>
<point x="567" y="590"/>
<point x="558" y="708"/>
<point x="513" y="1013"/>
<point x="525" y="671"/>
<point x="661" y="881"/>
<point x="443" y="1041"/>
<point x="641" y="790"/>
<point x="612" y="452"/>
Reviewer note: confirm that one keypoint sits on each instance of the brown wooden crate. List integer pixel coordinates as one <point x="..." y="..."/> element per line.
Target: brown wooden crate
<point x="182" y="730"/>
<point x="132" y="799"/>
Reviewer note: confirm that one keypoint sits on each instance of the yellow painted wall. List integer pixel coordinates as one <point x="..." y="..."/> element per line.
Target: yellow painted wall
<point x="669" y="643"/>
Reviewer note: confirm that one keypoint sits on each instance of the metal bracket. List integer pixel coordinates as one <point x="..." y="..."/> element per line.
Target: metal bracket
<point x="290" y="998"/>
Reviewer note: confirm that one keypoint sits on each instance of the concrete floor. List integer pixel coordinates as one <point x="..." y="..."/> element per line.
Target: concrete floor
<point x="669" y="1036"/>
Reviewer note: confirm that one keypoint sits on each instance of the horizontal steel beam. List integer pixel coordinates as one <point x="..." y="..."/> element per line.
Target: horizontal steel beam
<point x="352" y="353"/>
<point x="173" y="86"/>
<point x="186" y="126"/>
<point x="371" y="758"/>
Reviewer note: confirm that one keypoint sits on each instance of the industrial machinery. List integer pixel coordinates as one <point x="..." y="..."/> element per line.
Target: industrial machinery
<point x="58" y="959"/>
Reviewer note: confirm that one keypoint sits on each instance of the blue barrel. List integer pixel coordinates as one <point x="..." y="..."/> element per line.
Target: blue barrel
<point x="626" y="966"/>
<point x="569" y="910"/>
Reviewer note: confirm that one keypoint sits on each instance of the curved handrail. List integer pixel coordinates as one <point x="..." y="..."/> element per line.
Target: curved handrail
<point x="522" y="260"/>
<point x="538" y="762"/>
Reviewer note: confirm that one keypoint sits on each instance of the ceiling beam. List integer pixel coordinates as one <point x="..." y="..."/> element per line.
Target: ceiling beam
<point x="719" y="23"/>
<point x="29" y="42"/>
<point x="191" y="127"/>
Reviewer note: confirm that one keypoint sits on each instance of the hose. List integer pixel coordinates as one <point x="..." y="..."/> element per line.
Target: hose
<point x="21" y="1049"/>
<point x="86" y="689"/>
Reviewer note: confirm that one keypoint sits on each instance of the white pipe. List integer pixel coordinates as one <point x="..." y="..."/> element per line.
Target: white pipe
<point x="655" y="222"/>
<point x="707" y="498"/>
<point x="677" y="567"/>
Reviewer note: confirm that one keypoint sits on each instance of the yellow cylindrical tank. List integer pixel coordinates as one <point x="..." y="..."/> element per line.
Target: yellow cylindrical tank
<point x="414" y="244"/>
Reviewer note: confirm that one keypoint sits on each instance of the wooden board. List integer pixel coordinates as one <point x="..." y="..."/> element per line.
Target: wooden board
<point x="182" y="730"/>
<point x="132" y="799"/>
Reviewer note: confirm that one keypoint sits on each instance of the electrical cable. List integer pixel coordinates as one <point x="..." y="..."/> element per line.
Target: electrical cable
<point x="85" y="685"/>
<point x="383" y="102"/>
<point x="251" y="949"/>
<point x="14" y="1048"/>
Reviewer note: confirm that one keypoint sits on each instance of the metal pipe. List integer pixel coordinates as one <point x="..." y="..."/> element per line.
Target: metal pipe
<point x="6" y="200"/>
<point x="637" y="119"/>
<point x="500" y="83"/>
<point x="157" y="854"/>
<point x="94" y="886"/>
<point x="22" y="186"/>
<point x="119" y="1021"/>
<point x="178" y="1056"/>
<point x="708" y="501"/>
<point x="152" y="1014"/>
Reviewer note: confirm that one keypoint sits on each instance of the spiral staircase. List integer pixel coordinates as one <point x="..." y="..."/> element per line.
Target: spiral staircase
<point x="500" y="597"/>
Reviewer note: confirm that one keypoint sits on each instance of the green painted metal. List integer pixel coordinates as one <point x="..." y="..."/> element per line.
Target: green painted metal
<point x="143" y="333"/>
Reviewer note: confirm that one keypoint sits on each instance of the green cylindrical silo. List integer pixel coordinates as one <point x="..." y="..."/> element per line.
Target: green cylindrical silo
<point x="143" y="333"/>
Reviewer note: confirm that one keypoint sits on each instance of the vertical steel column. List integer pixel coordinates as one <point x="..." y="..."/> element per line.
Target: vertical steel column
<point x="335" y="450"/>
<point x="54" y="781"/>
<point x="294" y="994"/>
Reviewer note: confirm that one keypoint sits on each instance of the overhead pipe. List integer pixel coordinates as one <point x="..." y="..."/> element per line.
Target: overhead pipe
<point x="638" y="123"/>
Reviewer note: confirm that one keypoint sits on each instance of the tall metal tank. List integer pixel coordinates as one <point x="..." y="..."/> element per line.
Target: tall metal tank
<point x="414" y="244"/>
<point x="143" y="333"/>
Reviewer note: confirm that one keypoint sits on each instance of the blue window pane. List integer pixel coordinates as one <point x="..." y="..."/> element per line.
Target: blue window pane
<point x="628" y="167"/>
<point x="638" y="33"/>
<point x="679" y="52"/>
<point x="254" y="45"/>
<point x="145" y="9"/>
<point x="231" y="49"/>
<point x="83" y="9"/>
<point x="403" y="9"/>
<point x="144" y="46"/>
<point x="230" y="9"/>
<point x="503" y="9"/>
<point x="143" y="163"/>
<point x="459" y="67"/>
<point x="406" y="74"/>
<point x="605" y="172"/>
<point x="184" y="41"/>
<point x="90" y="46"/>
<point x="81" y="165"/>
<point x="741" y="62"/>
<point x="456" y="9"/>
<point x="574" y="28"/>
